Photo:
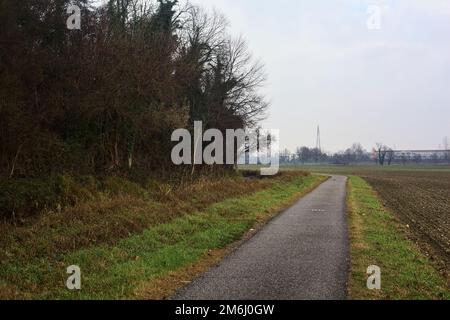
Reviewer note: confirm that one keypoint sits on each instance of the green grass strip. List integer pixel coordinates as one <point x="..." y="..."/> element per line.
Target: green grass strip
<point x="377" y="239"/>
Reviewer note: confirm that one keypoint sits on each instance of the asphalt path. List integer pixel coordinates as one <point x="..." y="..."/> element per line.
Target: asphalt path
<point x="303" y="254"/>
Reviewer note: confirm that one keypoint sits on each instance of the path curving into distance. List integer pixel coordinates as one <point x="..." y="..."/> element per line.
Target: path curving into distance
<point x="303" y="254"/>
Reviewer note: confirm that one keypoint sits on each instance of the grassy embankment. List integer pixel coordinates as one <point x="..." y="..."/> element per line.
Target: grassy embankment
<point x="138" y="244"/>
<point x="377" y="238"/>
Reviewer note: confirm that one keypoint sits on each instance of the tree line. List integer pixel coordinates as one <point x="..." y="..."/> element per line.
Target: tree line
<point x="381" y="155"/>
<point x="304" y="155"/>
<point x="106" y="98"/>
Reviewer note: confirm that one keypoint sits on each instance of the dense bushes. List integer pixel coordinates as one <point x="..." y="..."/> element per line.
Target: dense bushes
<point x="24" y="197"/>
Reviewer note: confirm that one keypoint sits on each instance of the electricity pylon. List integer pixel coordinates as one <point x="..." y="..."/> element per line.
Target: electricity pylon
<point x="318" y="142"/>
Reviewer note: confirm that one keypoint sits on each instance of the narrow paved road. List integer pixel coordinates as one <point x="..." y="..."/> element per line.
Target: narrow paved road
<point x="301" y="255"/>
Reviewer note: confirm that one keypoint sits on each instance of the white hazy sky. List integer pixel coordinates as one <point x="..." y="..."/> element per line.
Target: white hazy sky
<point x="326" y="67"/>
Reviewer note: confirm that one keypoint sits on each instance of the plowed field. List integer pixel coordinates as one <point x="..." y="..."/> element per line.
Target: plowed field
<point x="422" y="201"/>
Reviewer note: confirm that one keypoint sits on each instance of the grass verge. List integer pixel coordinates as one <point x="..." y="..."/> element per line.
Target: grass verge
<point x="134" y="265"/>
<point x="377" y="238"/>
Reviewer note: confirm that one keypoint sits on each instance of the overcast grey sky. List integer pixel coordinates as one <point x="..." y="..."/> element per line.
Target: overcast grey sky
<point x="325" y="66"/>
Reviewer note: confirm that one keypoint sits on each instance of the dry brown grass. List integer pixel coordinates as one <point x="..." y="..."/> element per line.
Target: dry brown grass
<point x="112" y="217"/>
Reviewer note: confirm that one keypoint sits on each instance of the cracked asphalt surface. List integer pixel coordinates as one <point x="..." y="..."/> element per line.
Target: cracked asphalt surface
<point x="303" y="254"/>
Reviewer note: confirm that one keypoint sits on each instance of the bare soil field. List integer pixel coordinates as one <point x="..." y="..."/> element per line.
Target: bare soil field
<point x="421" y="200"/>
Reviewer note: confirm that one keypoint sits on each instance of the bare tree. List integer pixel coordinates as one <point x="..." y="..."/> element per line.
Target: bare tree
<point x="242" y="80"/>
<point x="390" y="156"/>
<point x="382" y="151"/>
